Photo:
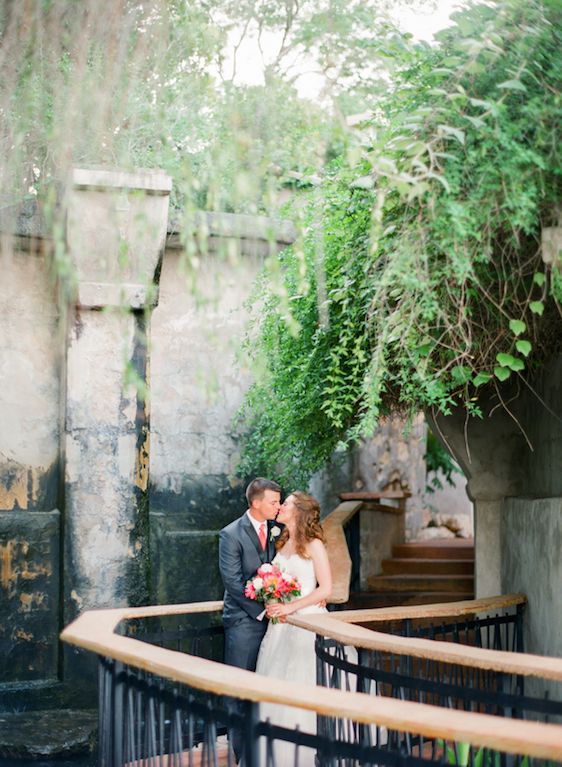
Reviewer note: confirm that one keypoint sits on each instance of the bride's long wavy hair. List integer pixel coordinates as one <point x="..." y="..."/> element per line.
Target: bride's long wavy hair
<point x="307" y="526"/>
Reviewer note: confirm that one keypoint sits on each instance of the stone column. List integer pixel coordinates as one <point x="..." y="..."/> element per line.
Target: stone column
<point x="116" y="234"/>
<point x="487" y="451"/>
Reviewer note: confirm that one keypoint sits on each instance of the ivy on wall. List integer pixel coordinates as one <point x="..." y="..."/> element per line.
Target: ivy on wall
<point x="419" y="282"/>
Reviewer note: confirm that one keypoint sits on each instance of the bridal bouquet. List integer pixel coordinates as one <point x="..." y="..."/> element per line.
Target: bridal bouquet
<point x="270" y="584"/>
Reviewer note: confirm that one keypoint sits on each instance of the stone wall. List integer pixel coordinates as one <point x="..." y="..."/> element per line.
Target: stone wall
<point x="531" y="544"/>
<point x="107" y="498"/>
<point x="76" y="426"/>
<point x="512" y="463"/>
<point x="30" y="375"/>
<point x="197" y="386"/>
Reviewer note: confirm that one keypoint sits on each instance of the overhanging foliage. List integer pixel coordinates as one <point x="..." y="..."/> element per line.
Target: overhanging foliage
<point x="420" y="282"/>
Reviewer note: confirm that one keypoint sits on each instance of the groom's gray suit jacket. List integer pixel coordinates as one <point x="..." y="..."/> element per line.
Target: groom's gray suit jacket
<point x="240" y="555"/>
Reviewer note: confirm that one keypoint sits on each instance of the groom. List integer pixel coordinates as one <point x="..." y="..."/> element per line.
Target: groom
<point x="245" y="545"/>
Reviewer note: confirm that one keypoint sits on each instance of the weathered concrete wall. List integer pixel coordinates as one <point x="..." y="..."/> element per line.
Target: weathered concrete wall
<point x="30" y="361"/>
<point x="112" y="552"/>
<point x="29" y="595"/>
<point x="531" y="542"/>
<point x="531" y="545"/>
<point x="30" y="356"/>
<point x="516" y="484"/>
<point x="197" y="388"/>
<point x="541" y="415"/>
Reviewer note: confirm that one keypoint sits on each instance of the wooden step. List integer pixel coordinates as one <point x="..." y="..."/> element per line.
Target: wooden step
<point x="457" y="584"/>
<point x="414" y="565"/>
<point x="366" y="600"/>
<point x="448" y="548"/>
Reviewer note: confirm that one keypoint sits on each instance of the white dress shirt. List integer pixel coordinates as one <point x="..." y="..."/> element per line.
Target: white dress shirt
<point x="256" y="525"/>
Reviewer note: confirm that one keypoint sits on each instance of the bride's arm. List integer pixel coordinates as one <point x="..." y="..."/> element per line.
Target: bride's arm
<point x="317" y="552"/>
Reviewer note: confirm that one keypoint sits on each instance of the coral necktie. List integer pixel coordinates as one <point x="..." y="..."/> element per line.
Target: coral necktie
<point x="261" y="535"/>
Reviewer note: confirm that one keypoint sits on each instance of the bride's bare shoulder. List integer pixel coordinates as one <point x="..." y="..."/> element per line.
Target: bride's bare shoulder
<point x="315" y="546"/>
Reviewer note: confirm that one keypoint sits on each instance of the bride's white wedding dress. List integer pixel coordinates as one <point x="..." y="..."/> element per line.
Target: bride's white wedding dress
<point x="287" y="652"/>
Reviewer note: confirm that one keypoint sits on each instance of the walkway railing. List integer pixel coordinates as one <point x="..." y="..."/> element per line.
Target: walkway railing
<point x="163" y="707"/>
<point x="405" y="664"/>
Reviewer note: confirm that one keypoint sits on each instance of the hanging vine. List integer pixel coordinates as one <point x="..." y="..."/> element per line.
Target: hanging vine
<point x="431" y="269"/>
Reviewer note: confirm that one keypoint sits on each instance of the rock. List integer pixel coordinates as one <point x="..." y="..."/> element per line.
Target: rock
<point x="55" y="733"/>
<point x="460" y="524"/>
<point x="432" y="533"/>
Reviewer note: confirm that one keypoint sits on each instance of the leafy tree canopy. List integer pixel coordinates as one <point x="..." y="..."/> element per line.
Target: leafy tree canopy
<point x="419" y="281"/>
<point x="154" y="84"/>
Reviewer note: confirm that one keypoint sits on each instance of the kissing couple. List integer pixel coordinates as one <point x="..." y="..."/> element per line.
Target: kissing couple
<point x="253" y="642"/>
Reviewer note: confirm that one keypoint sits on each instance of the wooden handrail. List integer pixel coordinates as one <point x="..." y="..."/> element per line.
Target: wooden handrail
<point x="524" y="664"/>
<point x="338" y="552"/>
<point x="95" y="631"/>
<point x="365" y="495"/>
<point x="437" y="610"/>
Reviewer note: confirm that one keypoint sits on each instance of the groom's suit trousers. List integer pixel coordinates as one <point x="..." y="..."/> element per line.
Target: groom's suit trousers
<point x="240" y="555"/>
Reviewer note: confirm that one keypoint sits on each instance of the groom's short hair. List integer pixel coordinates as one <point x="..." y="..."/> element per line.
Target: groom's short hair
<point x="257" y="488"/>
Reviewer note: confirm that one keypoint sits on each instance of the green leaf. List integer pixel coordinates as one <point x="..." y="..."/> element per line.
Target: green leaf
<point x="463" y="750"/>
<point x="461" y="373"/>
<point x="513" y="85"/>
<point x="476" y="121"/>
<point x="505" y="360"/>
<point x="478" y="759"/>
<point x="502" y="373"/>
<point x="508" y="361"/>
<point x="454" y="132"/>
<point x="517" y="327"/>
<point x="523" y="347"/>
<point x="517" y="364"/>
<point x="481" y="379"/>
<point x="537" y="307"/>
<point x="480" y="103"/>
<point x="539" y="278"/>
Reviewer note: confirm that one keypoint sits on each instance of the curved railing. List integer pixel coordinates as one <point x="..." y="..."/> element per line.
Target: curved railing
<point x="155" y="701"/>
<point x="341" y="527"/>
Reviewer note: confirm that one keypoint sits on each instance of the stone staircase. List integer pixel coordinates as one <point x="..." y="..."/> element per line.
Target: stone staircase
<point x="421" y="573"/>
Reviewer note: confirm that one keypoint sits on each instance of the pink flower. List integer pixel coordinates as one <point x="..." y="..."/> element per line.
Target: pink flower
<point x="270" y="583"/>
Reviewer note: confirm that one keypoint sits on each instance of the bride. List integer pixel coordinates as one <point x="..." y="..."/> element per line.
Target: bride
<point x="287" y="652"/>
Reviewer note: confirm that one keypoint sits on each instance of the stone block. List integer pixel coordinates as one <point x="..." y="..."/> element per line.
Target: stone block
<point x="459" y="524"/>
<point x="116" y="230"/>
<point x="29" y="595"/>
<point x="434" y="533"/>
<point x="184" y="562"/>
<point x="201" y="502"/>
<point x="48" y="734"/>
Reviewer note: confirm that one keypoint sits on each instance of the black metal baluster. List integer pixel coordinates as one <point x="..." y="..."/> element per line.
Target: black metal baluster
<point x="130" y="753"/>
<point x="251" y="741"/>
<point x="117" y="706"/>
<point x="105" y="717"/>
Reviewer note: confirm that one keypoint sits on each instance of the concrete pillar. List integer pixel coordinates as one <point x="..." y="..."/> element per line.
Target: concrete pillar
<point x="487" y="547"/>
<point x="487" y="450"/>
<point x="116" y="234"/>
